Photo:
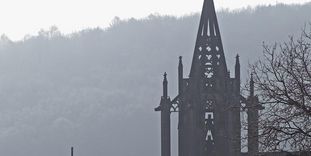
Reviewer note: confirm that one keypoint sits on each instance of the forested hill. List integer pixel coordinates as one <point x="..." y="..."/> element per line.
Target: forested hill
<point x="96" y="89"/>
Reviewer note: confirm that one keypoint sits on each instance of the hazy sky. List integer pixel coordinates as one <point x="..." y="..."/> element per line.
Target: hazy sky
<point x="21" y="17"/>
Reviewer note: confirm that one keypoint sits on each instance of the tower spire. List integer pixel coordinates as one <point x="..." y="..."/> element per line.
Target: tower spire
<point x="208" y="54"/>
<point x="207" y="128"/>
<point x="205" y="117"/>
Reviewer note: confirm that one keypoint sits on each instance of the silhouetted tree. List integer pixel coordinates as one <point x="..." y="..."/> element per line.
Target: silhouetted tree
<point x="283" y="83"/>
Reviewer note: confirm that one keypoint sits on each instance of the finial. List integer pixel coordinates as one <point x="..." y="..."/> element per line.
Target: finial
<point x="180" y="60"/>
<point x="237" y="59"/>
<point x="165" y="77"/>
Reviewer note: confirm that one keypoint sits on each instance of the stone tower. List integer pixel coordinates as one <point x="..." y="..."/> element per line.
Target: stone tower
<point x="208" y="102"/>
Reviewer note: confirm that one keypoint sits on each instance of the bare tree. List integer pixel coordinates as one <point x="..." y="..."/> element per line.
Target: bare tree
<point x="283" y="84"/>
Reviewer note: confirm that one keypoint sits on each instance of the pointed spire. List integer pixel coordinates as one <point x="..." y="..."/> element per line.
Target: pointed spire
<point x="180" y="75"/>
<point x="237" y="68"/>
<point x="208" y="23"/>
<point x="208" y="55"/>
<point x="251" y="84"/>
<point x="165" y="85"/>
<point x="237" y="60"/>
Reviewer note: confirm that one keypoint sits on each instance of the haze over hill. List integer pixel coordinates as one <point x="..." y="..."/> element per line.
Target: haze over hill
<point x="96" y="89"/>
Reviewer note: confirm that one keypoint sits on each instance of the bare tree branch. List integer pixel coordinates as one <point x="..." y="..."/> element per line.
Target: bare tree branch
<point x="283" y="85"/>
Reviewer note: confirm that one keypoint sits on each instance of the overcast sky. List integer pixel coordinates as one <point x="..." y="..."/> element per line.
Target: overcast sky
<point x="21" y="17"/>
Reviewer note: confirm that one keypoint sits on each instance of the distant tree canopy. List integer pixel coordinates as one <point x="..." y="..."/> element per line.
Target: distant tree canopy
<point x="283" y="79"/>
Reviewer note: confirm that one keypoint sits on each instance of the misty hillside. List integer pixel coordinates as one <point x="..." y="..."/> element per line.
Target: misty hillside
<point x="96" y="89"/>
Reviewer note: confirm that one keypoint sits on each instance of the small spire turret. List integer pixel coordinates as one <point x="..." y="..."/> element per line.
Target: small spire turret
<point x="165" y="82"/>
<point x="180" y="75"/>
<point x="237" y="67"/>
<point x="252" y="86"/>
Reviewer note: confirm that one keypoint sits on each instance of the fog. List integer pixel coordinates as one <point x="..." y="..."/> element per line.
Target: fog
<point x="96" y="89"/>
